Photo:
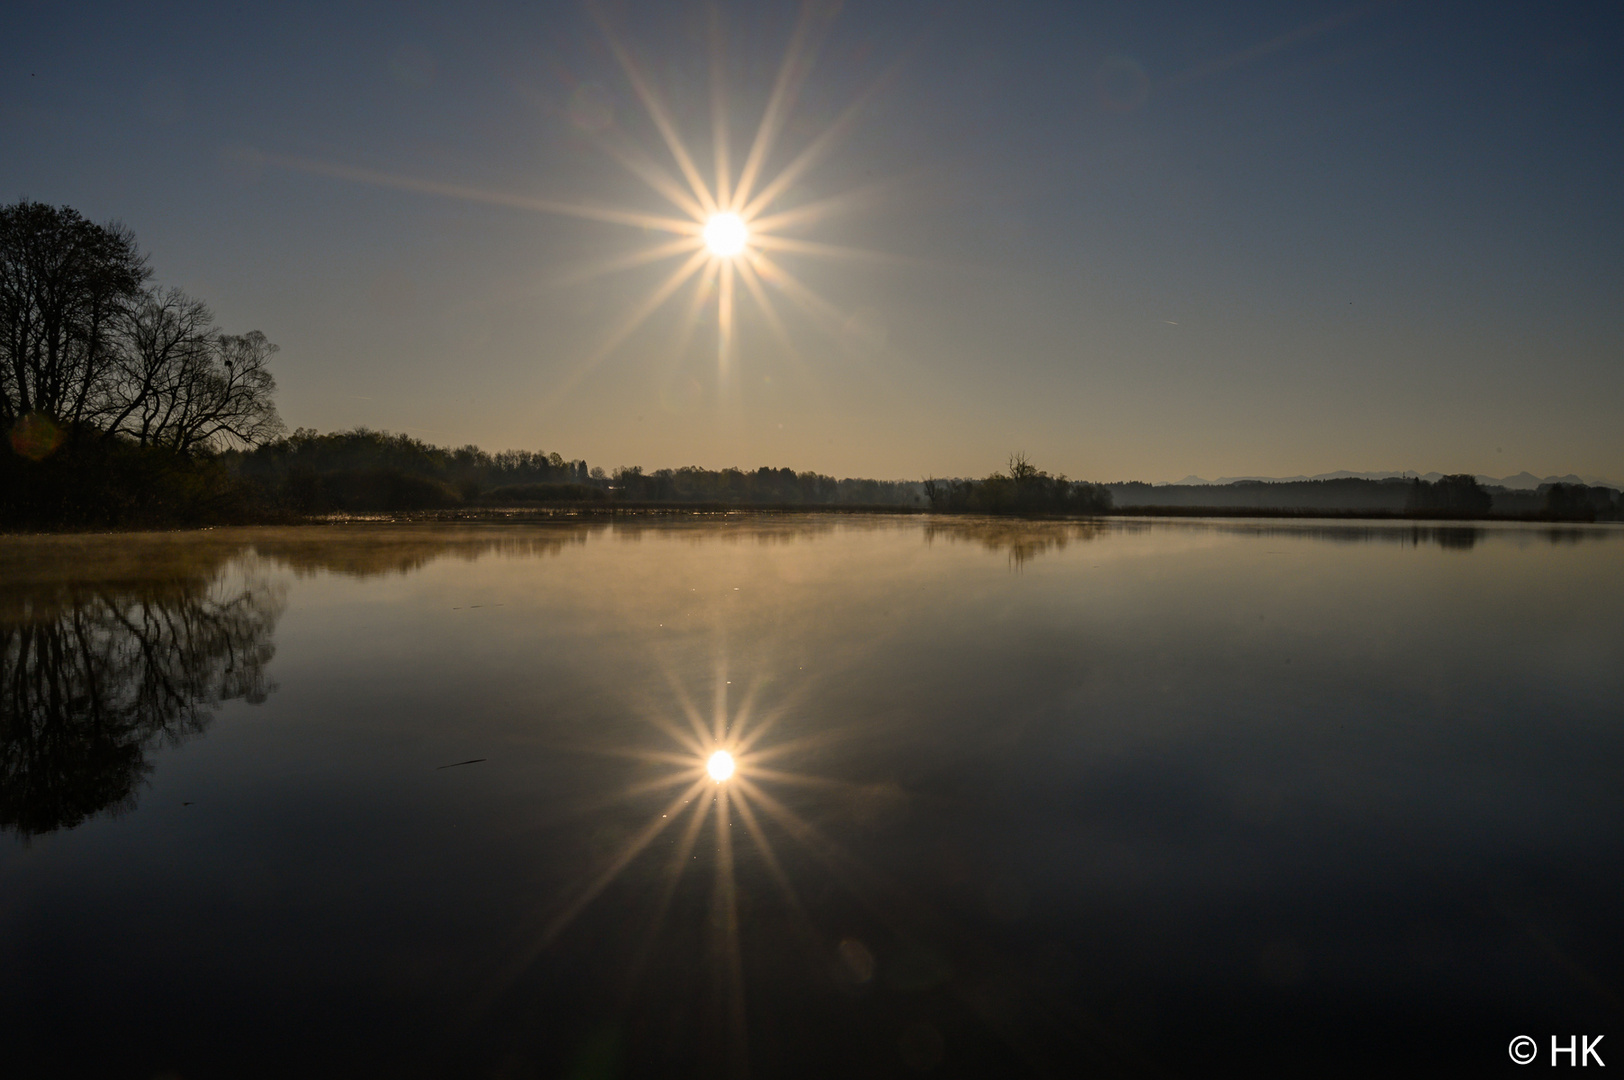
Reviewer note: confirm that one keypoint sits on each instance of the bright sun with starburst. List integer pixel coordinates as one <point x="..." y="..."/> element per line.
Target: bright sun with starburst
<point x="726" y="235"/>
<point x="735" y="228"/>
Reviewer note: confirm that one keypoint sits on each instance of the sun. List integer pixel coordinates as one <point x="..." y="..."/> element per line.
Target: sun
<point x="720" y="766"/>
<point x="725" y="235"/>
<point x="732" y="231"/>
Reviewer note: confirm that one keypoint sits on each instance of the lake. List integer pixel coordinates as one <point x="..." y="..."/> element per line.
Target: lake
<point x="1011" y="798"/>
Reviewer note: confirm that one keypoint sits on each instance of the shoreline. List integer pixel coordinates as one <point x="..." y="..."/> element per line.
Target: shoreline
<point x="595" y="511"/>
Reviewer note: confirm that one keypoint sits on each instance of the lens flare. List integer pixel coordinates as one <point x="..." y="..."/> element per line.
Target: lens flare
<point x="725" y="235"/>
<point x="720" y="766"/>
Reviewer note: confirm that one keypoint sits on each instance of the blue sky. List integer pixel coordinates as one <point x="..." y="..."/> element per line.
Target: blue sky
<point x="1133" y="242"/>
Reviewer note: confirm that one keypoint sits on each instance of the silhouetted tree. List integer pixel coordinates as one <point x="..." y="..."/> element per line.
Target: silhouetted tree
<point x="222" y="395"/>
<point x="164" y="332"/>
<point x="1024" y="489"/>
<point x="84" y="346"/>
<point x="66" y="288"/>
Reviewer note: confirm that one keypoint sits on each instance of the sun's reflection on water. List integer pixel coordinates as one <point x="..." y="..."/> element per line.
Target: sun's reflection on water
<point x="721" y="762"/>
<point x="720" y="766"/>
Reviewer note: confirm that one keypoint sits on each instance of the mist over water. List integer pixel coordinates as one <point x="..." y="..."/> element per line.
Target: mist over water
<point x="1012" y="798"/>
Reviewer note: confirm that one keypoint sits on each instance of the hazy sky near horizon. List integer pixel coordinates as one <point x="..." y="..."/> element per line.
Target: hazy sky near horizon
<point x="1135" y="243"/>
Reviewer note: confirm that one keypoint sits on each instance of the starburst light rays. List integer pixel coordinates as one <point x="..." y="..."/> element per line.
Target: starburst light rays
<point x="799" y="780"/>
<point x="769" y="311"/>
<point x="813" y="212"/>
<point x="830" y="317"/>
<point x="751" y="194"/>
<point x="720" y="136"/>
<point x="794" y="70"/>
<point x="728" y="959"/>
<point x="690" y="711"/>
<point x="632" y="260"/>
<point x="670" y="879"/>
<point x="739" y="813"/>
<point x="724" y="310"/>
<point x="826" y="251"/>
<point x="637" y="318"/>
<point x="657" y="112"/>
<point x="466" y="193"/>
<point x="640" y="165"/>
<point x="803" y="162"/>
<point x="730" y="732"/>
<point x="629" y="851"/>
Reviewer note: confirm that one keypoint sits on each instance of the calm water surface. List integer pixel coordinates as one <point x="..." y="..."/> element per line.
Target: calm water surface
<point x="1012" y="799"/>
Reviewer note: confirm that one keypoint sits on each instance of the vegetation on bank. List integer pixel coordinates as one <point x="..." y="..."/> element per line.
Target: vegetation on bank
<point x="88" y="481"/>
<point x="762" y="487"/>
<point x="363" y="470"/>
<point x="1022" y="490"/>
<point x="1447" y="497"/>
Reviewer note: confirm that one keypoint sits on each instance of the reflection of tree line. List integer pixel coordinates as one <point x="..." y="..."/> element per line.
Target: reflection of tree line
<point x="111" y="647"/>
<point x="1451" y="537"/>
<point x="372" y="552"/>
<point x="91" y="680"/>
<point x="1022" y="541"/>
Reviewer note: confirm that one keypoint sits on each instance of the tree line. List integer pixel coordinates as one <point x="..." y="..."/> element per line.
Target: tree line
<point x="364" y="470"/>
<point x="1023" y="489"/>
<point x="760" y="487"/>
<point x="1462" y="496"/>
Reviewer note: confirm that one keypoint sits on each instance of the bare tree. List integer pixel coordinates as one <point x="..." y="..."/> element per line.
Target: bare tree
<point x="65" y="286"/>
<point x="222" y="396"/>
<point x="166" y="332"/>
<point x="84" y="343"/>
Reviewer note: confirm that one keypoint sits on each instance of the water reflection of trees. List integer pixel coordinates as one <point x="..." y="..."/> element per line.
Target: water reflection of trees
<point x="113" y="647"/>
<point x="1452" y="537"/>
<point x="1021" y="541"/>
<point x="372" y="552"/>
<point x="1449" y="537"/>
<point x="737" y="527"/>
<point x="93" y="678"/>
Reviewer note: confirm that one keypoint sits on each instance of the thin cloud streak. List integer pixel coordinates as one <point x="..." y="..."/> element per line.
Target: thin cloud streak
<point x="1257" y="52"/>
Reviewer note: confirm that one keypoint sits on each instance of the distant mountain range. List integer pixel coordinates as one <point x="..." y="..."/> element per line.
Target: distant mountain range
<point x="1523" y="480"/>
